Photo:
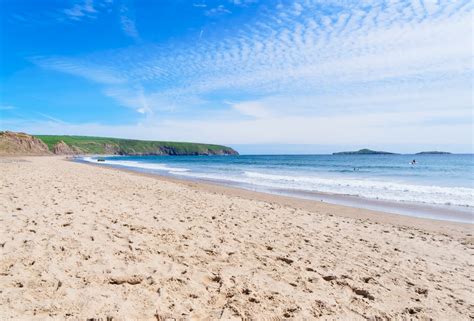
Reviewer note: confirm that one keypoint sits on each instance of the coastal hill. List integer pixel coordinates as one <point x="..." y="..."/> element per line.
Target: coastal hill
<point x="364" y="151"/>
<point x="21" y="144"/>
<point x="12" y="143"/>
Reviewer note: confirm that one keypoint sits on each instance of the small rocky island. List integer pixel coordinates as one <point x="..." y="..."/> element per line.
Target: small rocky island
<point x="364" y="151"/>
<point x="433" y="153"/>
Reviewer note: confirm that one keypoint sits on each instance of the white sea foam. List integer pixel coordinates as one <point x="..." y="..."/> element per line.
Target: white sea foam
<point x="135" y="164"/>
<point x="371" y="189"/>
<point x="391" y="191"/>
<point x="88" y="159"/>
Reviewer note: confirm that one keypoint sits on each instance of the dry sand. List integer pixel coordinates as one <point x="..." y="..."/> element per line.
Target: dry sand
<point x="78" y="241"/>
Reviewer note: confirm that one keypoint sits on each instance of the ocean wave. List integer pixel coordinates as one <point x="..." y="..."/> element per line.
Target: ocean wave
<point x="390" y="191"/>
<point x="370" y="189"/>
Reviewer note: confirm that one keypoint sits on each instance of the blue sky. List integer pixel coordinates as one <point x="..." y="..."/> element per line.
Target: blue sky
<point x="276" y="76"/>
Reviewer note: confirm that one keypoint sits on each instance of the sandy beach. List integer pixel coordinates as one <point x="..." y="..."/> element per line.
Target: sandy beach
<point x="78" y="242"/>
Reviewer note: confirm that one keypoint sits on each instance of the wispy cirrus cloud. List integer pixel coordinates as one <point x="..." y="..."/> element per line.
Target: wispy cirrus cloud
<point x="350" y="46"/>
<point x="217" y="11"/>
<point x="52" y="119"/>
<point x="62" y="12"/>
<point x="81" y="10"/>
<point x="300" y="58"/>
<point x="90" y="71"/>
<point x="128" y="23"/>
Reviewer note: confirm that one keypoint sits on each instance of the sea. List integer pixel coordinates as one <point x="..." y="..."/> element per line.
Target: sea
<point x="437" y="186"/>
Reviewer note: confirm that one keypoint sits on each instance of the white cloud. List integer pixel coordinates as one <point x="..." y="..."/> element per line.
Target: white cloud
<point x="217" y="11"/>
<point x="297" y="9"/>
<point x="242" y="3"/>
<point x="314" y="66"/>
<point x="52" y="119"/>
<point x="80" y="10"/>
<point x="132" y="98"/>
<point x="90" y="71"/>
<point x="65" y="12"/>
<point x="310" y="52"/>
<point x="355" y="129"/>
<point x="252" y="108"/>
<point x="128" y="23"/>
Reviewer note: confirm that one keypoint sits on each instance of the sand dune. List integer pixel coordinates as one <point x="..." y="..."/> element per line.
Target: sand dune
<point x="78" y="241"/>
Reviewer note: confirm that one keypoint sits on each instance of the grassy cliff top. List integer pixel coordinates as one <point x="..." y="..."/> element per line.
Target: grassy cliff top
<point x="106" y="145"/>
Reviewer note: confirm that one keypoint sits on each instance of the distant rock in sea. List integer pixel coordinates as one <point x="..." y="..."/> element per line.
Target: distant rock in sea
<point x="364" y="151"/>
<point x="433" y="153"/>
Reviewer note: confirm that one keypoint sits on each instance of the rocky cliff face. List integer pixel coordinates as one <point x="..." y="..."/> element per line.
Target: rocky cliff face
<point x="12" y="143"/>
<point x="111" y="149"/>
<point x="223" y="152"/>
<point x="62" y="148"/>
<point x="21" y="144"/>
<point x="166" y="150"/>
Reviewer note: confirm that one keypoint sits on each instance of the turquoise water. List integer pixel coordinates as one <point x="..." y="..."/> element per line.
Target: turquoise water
<point x="436" y="180"/>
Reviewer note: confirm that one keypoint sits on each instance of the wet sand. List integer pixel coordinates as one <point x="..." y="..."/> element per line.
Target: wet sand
<point x="78" y="241"/>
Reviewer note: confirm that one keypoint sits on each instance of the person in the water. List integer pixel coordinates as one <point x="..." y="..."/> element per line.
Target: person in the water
<point x="413" y="162"/>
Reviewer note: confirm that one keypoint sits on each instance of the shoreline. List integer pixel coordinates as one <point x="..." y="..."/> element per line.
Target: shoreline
<point x="348" y="211"/>
<point x="80" y="242"/>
